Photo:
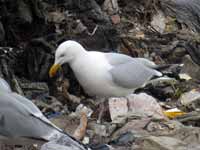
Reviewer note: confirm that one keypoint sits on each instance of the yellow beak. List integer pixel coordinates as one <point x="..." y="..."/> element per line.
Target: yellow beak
<point x="54" y="69"/>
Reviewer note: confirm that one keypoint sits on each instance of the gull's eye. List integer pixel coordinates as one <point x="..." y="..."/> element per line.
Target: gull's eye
<point x="62" y="55"/>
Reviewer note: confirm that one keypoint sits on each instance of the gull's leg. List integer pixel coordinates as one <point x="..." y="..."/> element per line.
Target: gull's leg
<point x="102" y="109"/>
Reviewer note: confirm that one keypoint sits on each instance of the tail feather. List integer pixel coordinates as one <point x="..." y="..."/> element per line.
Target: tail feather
<point x="166" y="66"/>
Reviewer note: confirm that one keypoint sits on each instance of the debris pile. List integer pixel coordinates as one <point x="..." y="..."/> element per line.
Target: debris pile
<point x="161" y="116"/>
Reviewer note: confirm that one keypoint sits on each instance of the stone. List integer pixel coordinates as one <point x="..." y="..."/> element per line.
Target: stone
<point x="163" y="143"/>
<point x="190" y="100"/>
<point x="190" y="68"/>
<point x="118" y="108"/>
<point x="103" y="130"/>
<point x="124" y="139"/>
<point x="134" y="126"/>
<point x="145" y="105"/>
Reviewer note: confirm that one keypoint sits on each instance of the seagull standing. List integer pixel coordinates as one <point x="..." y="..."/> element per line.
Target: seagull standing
<point x="105" y="74"/>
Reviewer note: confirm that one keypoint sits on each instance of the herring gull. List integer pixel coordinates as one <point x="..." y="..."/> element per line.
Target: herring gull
<point x="21" y="119"/>
<point x="105" y="74"/>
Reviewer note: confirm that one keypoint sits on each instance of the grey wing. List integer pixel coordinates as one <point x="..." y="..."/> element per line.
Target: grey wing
<point x="132" y="75"/>
<point x="29" y="104"/>
<point x="116" y="59"/>
<point x="32" y="108"/>
<point x="4" y="87"/>
<point x="146" y="62"/>
<point x="16" y="121"/>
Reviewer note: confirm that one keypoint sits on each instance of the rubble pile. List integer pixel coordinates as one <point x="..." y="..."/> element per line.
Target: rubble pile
<point x="156" y="117"/>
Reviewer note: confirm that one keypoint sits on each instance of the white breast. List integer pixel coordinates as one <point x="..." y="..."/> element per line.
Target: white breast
<point x="92" y="72"/>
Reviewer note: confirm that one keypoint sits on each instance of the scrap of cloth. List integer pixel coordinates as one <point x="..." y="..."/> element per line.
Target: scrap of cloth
<point x="105" y="74"/>
<point x="20" y="118"/>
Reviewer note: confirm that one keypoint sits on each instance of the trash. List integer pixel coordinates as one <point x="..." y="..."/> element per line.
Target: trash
<point x="173" y="113"/>
<point x="86" y="140"/>
<point x="79" y="133"/>
<point x="64" y="143"/>
<point x="158" y="22"/>
<point x="80" y="109"/>
<point x="163" y="116"/>
<point x="111" y="6"/>
<point x="49" y="105"/>
<point x="185" y="76"/>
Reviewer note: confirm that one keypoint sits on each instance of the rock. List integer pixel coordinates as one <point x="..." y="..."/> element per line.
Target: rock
<point x="190" y="119"/>
<point x="190" y="100"/>
<point x="191" y="68"/>
<point x="103" y="130"/>
<point x="124" y="139"/>
<point x="163" y="143"/>
<point x="134" y="126"/>
<point x="118" y="109"/>
<point x="136" y="105"/>
<point x="145" y="105"/>
<point x="102" y="147"/>
<point x="189" y="135"/>
<point x="66" y="123"/>
<point x="99" y="129"/>
<point x="179" y="137"/>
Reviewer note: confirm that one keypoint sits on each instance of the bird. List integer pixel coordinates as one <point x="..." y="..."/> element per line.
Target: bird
<point x="105" y="74"/>
<point x="21" y="119"/>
